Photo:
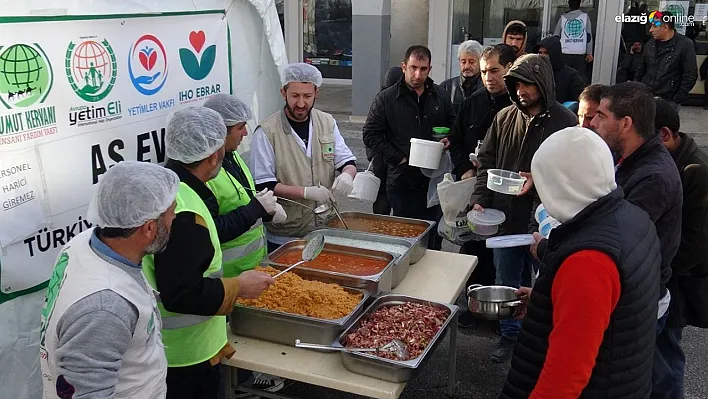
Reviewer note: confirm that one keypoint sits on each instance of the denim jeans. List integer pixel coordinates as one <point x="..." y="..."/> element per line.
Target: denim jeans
<point x="669" y="363"/>
<point x="514" y="268"/>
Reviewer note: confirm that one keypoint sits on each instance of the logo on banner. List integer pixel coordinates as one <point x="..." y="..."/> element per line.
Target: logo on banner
<point x="91" y="68"/>
<point x="655" y="17"/>
<point x="26" y="76"/>
<point x="147" y="65"/>
<point x="574" y="28"/>
<point x="197" y="69"/>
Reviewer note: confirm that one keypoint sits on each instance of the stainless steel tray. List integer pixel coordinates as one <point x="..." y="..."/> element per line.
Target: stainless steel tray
<point x="386" y="369"/>
<point x="420" y="243"/>
<point x="375" y="284"/>
<point x="285" y="328"/>
<point x="402" y="265"/>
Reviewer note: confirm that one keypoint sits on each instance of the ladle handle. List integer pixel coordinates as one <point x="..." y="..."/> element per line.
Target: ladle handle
<point x="332" y="348"/>
<point x="289" y="268"/>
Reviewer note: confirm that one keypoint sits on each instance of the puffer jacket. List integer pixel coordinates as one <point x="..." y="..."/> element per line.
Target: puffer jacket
<point x="670" y="72"/>
<point x="513" y="139"/>
<point x="569" y="82"/>
<point x="458" y="92"/>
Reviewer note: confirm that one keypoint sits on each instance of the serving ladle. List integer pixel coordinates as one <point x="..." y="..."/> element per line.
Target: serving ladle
<point x="313" y="248"/>
<point x="396" y="347"/>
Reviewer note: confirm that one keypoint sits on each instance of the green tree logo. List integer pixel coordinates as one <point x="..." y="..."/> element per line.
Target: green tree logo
<point x="197" y="69"/>
<point x="26" y="76"/>
<point x="91" y="68"/>
<point x="55" y="283"/>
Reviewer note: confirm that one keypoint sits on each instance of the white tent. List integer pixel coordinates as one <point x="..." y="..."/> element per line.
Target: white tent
<point x="258" y="53"/>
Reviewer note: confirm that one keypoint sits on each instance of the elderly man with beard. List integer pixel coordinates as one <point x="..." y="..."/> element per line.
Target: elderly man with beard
<point x="297" y="152"/>
<point x="100" y="327"/>
<point x="468" y="82"/>
<point x="514" y="136"/>
<point x="194" y="297"/>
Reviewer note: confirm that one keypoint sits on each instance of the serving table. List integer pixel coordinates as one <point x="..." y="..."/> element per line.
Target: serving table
<point x="438" y="276"/>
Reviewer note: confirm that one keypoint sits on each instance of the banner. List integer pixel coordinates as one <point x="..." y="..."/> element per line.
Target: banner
<point x="77" y="95"/>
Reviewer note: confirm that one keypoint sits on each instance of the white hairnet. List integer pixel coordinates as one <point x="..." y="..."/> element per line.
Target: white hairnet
<point x="233" y="110"/>
<point x="193" y="134"/>
<point x="469" y="46"/>
<point x="132" y="193"/>
<point x="303" y="73"/>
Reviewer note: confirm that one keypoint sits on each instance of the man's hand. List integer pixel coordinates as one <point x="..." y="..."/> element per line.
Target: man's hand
<point x="477" y="207"/>
<point x="524" y="294"/>
<point x="588" y="58"/>
<point x="403" y="161"/>
<point x="528" y="184"/>
<point x="252" y="283"/>
<point x="343" y="184"/>
<point x="280" y="216"/>
<point x="446" y="143"/>
<point x="469" y="174"/>
<point x="534" y="247"/>
<point x="267" y="200"/>
<point x="318" y="194"/>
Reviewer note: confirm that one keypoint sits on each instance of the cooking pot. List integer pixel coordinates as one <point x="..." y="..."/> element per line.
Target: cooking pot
<point x="493" y="302"/>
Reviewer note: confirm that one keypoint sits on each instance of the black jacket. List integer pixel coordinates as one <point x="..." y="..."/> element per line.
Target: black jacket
<point x="396" y="116"/>
<point x="670" y="72"/>
<point x="651" y="181"/>
<point x="689" y="281"/>
<point x="459" y="92"/>
<point x="629" y="66"/>
<point x="623" y="366"/>
<point x="513" y="139"/>
<point x="473" y="121"/>
<point x="569" y="82"/>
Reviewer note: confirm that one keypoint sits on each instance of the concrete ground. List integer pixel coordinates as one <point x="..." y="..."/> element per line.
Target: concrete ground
<point x="477" y="377"/>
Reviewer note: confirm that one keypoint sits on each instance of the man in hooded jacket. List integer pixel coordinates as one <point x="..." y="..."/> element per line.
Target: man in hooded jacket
<point x="569" y="82"/>
<point x="516" y="35"/>
<point x="516" y="133"/>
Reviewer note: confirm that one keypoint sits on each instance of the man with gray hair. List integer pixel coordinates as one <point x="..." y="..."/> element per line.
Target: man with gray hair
<point x="468" y="82"/>
<point x="100" y="327"/>
<point x="194" y="297"/>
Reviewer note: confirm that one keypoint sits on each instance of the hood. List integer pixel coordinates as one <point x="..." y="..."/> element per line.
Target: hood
<point x="522" y="50"/>
<point x="532" y="68"/>
<point x="553" y="45"/>
<point x="560" y="172"/>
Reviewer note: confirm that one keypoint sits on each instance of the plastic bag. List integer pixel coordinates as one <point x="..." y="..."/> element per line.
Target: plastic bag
<point x="458" y="232"/>
<point x="455" y="197"/>
<point x="436" y="176"/>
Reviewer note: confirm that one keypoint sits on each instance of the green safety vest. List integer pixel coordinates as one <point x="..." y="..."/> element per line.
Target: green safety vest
<point x="191" y="339"/>
<point x="246" y="251"/>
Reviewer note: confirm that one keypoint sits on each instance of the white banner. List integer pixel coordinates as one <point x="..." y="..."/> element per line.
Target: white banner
<point x="77" y="95"/>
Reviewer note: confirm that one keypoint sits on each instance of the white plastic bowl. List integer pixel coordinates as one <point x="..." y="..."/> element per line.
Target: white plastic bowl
<point x="366" y="187"/>
<point x="485" y="223"/>
<point x="504" y="181"/>
<point x="425" y="153"/>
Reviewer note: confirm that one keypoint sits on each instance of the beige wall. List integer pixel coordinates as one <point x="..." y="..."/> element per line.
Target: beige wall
<point x="409" y="26"/>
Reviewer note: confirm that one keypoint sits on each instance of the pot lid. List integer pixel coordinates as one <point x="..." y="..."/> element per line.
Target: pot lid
<point x="490" y="217"/>
<point x="510" y="241"/>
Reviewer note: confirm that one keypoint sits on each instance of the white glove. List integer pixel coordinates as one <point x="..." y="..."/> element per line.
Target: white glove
<point x="343" y="185"/>
<point x="280" y="215"/>
<point x="318" y="194"/>
<point x="268" y="201"/>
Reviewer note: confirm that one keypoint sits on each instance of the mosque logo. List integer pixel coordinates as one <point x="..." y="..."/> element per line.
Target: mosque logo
<point x="91" y="68"/>
<point x="26" y="76"/>
<point x="197" y="69"/>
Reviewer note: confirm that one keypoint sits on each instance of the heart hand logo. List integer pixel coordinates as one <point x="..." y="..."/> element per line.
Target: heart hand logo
<point x="197" y="69"/>
<point x="148" y="58"/>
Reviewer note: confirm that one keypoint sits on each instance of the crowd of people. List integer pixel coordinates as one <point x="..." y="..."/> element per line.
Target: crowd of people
<point x="137" y="306"/>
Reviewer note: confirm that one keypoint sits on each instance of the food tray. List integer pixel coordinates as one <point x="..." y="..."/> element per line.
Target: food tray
<point x="285" y="328"/>
<point x="419" y="243"/>
<point x="375" y="284"/>
<point x="386" y="369"/>
<point x="374" y="242"/>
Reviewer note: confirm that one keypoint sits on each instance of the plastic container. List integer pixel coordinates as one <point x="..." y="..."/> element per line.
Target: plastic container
<point x="504" y="181"/>
<point x="425" y="153"/>
<point x="511" y="241"/>
<point x="366" y="187"/>
<point x="440" y="133"/>
<point x="485" y="223"/>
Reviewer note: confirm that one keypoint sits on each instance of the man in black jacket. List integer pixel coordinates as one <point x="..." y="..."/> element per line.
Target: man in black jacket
<point x="461" y="87"/>
<point x="477" y="114"/>
<point x="569" y="82"/>
<point x="514" y="136"/>
<point x="689" y="269"/>
<point x="408" y="109"/>
<point x="650" y="180"/>
<point x="669" y="66"/>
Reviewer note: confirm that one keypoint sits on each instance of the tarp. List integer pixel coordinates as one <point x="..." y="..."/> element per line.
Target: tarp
<point x="257" y="52"/>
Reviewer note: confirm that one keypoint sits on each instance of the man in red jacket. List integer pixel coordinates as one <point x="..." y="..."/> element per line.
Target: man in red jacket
<point x="589" y="330"/>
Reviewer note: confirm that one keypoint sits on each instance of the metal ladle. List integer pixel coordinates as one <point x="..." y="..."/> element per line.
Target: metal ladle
<point x="312" y="249"/>
<point x="396" y="346"/>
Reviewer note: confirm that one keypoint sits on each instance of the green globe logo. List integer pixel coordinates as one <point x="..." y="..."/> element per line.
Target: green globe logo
<point x="25" y="75"/>
<point x="91" y="69"/>
<point x="676" y="10"/>
<point x="574" y="28"/>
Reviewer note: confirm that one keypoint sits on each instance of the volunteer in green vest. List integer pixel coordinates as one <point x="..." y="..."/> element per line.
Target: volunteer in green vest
<point x="238" y="219"/>
<point x="297" y="152"/>
<point x="194" y="297"/>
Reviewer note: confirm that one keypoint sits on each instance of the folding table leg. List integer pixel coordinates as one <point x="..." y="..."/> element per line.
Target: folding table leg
<point x="452" y="366"/>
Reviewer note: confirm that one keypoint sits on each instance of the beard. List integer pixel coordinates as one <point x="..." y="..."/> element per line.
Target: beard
<point x="297" y="116"/>
<point x="161" y="240"/>
<point x="527" y="104"/>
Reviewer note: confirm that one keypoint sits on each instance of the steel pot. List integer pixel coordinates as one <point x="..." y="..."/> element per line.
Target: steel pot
<point x="493" y="302"/>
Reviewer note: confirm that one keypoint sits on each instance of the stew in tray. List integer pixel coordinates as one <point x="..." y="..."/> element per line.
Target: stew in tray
<point x="380" y="226"/>
<point x="336" y="262"/>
